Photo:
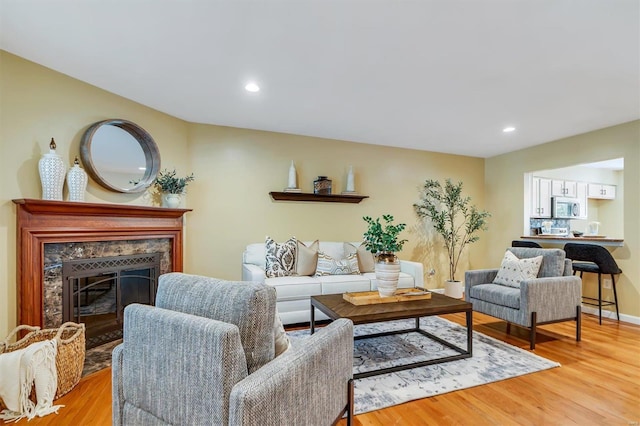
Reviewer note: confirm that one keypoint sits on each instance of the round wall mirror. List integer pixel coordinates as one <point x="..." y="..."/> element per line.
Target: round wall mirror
<point x="120" y="155"/>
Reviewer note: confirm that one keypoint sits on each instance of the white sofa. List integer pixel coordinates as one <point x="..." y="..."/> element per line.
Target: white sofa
<point x="293" y="292"/>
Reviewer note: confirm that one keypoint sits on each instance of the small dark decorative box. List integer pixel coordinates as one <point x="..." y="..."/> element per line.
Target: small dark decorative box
<point x="322" y="186"/>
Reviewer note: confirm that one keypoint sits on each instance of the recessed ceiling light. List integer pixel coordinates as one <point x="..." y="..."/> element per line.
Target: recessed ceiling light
<point x="508" y="129"/>
<point x="251" y="87"/>
<point x="142" y="168"/>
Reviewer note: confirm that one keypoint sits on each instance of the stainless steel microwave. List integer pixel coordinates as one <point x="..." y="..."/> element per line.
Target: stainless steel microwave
<point x="565" y="208"/>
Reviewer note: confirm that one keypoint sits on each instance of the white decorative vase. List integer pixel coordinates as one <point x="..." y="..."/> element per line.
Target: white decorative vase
<point x="76" y="182"/>
<point x="387" y="274"/>
<point x="453" y="289"/>
<point x="52" y="172"/>
<point x="171" y="201"/>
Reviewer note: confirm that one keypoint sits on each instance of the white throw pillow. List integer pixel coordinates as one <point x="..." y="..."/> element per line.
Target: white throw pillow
<point x="279" y="336"/>
<point x="307" y="259"/>
<point x="513" y="270"/>
<point x="366" y="261"/>
<point x="280" y="258"/>
<point x="327" y="265"/>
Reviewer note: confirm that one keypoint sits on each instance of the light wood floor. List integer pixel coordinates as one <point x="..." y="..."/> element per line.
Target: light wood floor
<point x="598" y="384"/>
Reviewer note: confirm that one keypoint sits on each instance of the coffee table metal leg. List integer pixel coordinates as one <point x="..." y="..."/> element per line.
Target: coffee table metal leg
<point x="470" y="332"/>
<point x="313" y="319"/>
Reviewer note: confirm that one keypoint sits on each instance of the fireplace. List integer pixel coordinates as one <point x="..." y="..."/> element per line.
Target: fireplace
<point x="96" y="291"/>
<point x="50" y="233"/>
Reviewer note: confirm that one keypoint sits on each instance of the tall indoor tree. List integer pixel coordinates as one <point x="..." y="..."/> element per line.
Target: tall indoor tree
<point x="453" y="217"/>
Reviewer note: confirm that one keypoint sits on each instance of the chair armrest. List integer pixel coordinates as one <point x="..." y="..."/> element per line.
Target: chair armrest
<point x="179" y="367"/>
<point x="552" y="298"/>
<point x="117" y="397"/>
<point x="478" y="276"/>
<point x="415" y="269"/>
<point x="306" y="385"/>
<point x="251" y="272"/>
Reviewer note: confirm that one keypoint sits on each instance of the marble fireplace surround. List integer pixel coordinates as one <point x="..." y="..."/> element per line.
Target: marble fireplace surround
<point x="41" y="222"/>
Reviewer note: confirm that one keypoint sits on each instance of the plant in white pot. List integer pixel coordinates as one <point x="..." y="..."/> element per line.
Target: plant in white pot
<point x="383" y="242"/>
<point x="455" y="219"/>
<point x="171" y="187"/>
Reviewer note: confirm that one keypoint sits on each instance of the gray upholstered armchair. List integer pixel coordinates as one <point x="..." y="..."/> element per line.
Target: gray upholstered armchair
<point x="554" y="296"/>
<point x="204" y="355"/>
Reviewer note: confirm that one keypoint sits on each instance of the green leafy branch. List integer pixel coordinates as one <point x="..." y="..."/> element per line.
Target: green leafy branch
<point x="168" y="182"/>
<point x="379" y="239"/>
<point x="452" y="216"/>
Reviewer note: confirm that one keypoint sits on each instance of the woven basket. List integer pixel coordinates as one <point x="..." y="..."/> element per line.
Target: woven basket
<point x="71" y="350"/>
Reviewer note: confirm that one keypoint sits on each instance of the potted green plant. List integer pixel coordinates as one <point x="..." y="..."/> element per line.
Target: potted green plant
<point x="455" y="219"/>
<point x="171" y="187"/>
<point x="383" y="242"/>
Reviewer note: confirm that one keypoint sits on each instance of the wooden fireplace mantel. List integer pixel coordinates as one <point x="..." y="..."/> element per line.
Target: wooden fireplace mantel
<point x="40" y="222"/>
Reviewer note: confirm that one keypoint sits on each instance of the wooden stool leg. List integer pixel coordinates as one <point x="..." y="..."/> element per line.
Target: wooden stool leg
<point x="615" y="295"/>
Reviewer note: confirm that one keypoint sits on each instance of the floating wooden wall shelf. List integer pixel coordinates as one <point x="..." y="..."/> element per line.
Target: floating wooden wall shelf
<point x="329" y="198"/>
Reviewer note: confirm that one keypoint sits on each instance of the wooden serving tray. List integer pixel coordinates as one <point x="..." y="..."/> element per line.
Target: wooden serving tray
<point x="373" y="297"/>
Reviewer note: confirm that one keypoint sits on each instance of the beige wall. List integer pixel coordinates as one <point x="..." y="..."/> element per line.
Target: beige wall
<point x="37" y="104"/>
<point x="236" y="169"/>
<point x="504" y="187"/>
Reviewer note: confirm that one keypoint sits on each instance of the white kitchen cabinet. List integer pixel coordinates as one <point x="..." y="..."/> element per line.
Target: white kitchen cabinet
<point x="602" y="191"/>
<point x="564" y="188"/>
<point x="582" y="195"/>
<point x="540" y="197"/>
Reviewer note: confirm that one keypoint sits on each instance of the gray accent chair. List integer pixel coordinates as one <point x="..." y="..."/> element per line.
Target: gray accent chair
<point x="554" y="296"/>
<point x="204" y="355"/>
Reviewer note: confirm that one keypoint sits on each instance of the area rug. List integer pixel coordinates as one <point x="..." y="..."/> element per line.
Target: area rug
<point x="492" y="361"/>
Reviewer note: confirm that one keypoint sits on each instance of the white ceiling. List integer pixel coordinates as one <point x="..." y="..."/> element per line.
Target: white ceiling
<point x="436" y="75"/>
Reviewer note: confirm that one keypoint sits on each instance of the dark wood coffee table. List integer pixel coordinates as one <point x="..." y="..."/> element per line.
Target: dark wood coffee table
<point x="334" y="306"/>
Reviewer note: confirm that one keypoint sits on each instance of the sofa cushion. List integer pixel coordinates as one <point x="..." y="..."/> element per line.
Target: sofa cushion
<point x="328" y="265"/>
<point x="335" y="284"/>
<point x="280" y="258"/>
<point x="552" y="259"/>
<point x="307" y="258"/>
<point x="333" y="249"/>
<point x="294" y="287"/>
<point x="254" y="255"/>
<point x="366" y="262"/>
<point x="496" y="294"/>
<point x="513" y="270"/>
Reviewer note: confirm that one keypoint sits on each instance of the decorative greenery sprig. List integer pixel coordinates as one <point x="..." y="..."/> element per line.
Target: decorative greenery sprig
<point x="167" y="182"/>
<point x="452" y="216"/>
<point x="378" y="239"/>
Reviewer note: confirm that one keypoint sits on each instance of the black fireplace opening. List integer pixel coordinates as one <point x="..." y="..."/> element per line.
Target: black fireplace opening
<point x="96" y="291"/>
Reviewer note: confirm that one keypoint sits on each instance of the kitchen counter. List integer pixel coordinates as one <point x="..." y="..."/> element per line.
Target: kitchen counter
<point x="557" y="239"/>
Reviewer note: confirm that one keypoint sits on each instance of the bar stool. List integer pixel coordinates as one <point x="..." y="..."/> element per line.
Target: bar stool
<point x="520" y="243"/>
<point x="595" y="259"/>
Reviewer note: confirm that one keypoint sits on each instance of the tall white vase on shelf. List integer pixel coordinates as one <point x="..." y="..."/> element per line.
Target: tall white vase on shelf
<point x="76" y="182"/>
<point x="52" y="172"/>
<point x="292" y="183"/>
<point x="351" y="188"/>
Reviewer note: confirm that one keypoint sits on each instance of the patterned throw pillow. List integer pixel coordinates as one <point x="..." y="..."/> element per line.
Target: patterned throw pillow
<point x="366" y="261"/>
<point x="281" y="258"/>
<point x="513" y="270"/>
<point x="307" y="258"/>
<point x="327" y="265"/>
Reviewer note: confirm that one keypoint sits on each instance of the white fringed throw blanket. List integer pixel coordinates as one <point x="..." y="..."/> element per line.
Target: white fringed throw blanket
<point x="19" y="371"/>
